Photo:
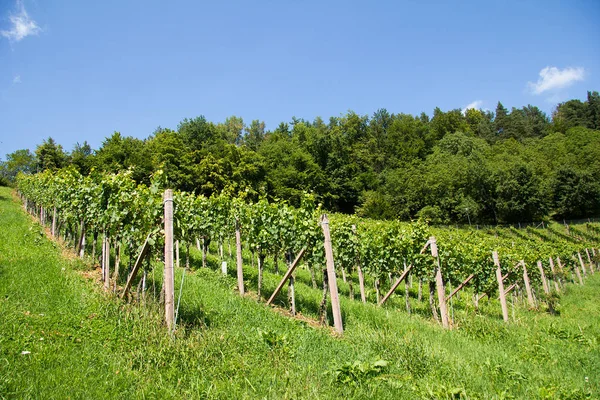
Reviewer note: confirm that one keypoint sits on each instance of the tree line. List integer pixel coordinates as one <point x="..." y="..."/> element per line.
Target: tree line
<point x="457" y="166"/>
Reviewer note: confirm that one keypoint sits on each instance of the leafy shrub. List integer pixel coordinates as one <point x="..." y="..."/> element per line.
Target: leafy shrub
<point x="357" y="372"/>
<point x="278" y="343"/>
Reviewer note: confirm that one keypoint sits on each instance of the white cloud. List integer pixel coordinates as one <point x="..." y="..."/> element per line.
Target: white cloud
<point x="476" y="105"/>
<point x="552" y="78"/>
<point x="17" y="79"/>
<point x="22" y="24"/>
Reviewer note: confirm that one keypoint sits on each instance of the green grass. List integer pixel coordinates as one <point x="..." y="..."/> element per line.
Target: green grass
<point x="86" y="344"/>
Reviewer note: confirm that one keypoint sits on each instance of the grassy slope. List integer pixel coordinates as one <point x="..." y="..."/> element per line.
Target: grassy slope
<point x="84" y="344"/>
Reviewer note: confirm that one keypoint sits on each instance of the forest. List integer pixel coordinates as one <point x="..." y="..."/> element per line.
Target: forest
<point x="458" y="166"/>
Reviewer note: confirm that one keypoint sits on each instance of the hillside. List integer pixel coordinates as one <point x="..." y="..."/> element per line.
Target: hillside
<point x="61" y="336"/>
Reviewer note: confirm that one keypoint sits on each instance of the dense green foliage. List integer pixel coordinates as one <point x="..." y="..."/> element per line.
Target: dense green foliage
<point x="457" y="166"/>
<point x="126" y="212"/>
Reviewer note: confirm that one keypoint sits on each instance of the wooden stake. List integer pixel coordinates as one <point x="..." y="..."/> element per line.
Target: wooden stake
<point x="406" y="291"/>
<point x="578" y="275"/>
<point x="117" y="264"/>
<point x="396" y="284"/>
<point x="144" y="286"/>
<point x="582" y="264"/>
<point x="439" y="282"/>
<point x="361" y="283"/>
<point x="82" y="247"/>
<point x="511" y="287"/>
<point x="80" y="237"/>
<point x="94" y="240"/>
<point x="459" y="287"/>
<point x="102" y="256"/>
<point x="590" y="263"/>
<point x="287" y="275"/>
<point x="292" y="296"/>
<point x="169" y="278"/>
<point x="54" y="222"/>
<point x="554" y="277"/>
<point x="527" y="286"/>
<point x="480" y="296"/>
<point x="260" y="262"/>
<point x="333" y="290"/>
<point x="500" y="286"/>
<point x="560" y="266"/>
<point x="107" y="264"/>
<point x="204" y="252"/>
<point x="136" y="266"/>
<point x="238" y="249"/>
<point x="543" y="277"/>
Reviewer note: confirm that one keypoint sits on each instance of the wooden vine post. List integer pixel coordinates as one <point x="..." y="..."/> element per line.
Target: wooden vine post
<point x="169" y="278"/>
<point x="292" y="295"/>
<point x="54" y="222"/>
<point x="106" y="253"/>
<point x="554" y="278"/>
<point x="102" y="256"/>
<point x="528" y="286"/>
<point x="287" y="275"/>
<point x="578" y="273"/>
<point x="543" y="277"/>
<point x="81" y="241"/>
<point x="500" y="286"/>
<point x="560" y="265"/>
<point x="439" y="283"/>
<point x="461" y="286"/>
<point x="238" y="249"/>
<point x="333" y="290"/>
<point x="136" y="266"/>
<point x="590" y="263"/>
<point x="396" y="284"/>
<point x="581" y="263"/>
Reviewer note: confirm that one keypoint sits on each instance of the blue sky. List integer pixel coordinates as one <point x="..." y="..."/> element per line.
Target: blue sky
<point x="79" y="70"/>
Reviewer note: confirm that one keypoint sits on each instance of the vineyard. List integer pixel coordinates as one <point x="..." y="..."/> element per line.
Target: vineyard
<point x="125" y="228"/>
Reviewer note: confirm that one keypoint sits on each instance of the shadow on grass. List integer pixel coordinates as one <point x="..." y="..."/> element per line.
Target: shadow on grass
<point x="4" y="198"/>
<point x="193" y="316"/>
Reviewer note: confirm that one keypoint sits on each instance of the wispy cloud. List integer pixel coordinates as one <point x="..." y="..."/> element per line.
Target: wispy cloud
<point x="552" y="78"/>
<point x="17" y="79"/>
<point x="21" y="24"/>
<point x="476" y="105"/>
